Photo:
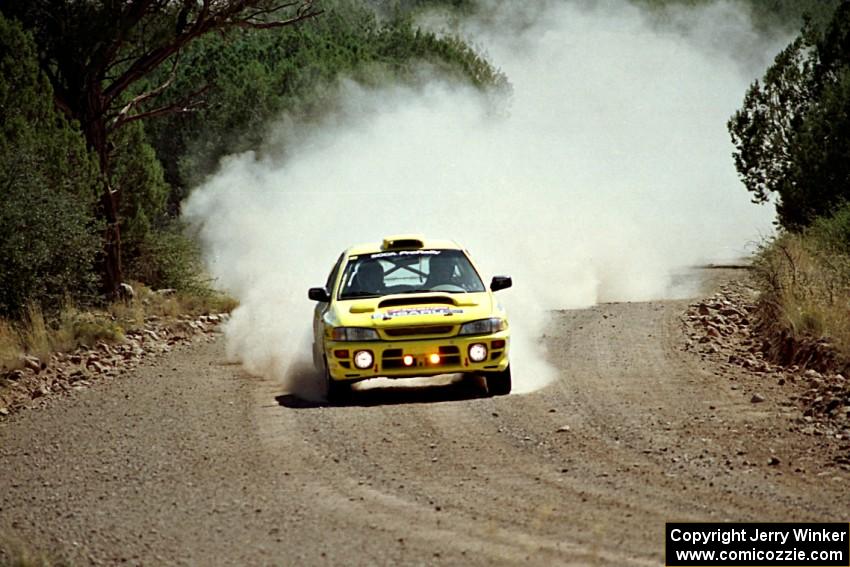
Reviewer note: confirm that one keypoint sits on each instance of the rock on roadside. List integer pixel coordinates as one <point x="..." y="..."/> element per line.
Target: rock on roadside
<point x="721" y="327"/>
<point x="65" y="372"/>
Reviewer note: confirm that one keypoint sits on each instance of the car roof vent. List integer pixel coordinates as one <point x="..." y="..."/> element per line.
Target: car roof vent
<point x="403" y="242"/>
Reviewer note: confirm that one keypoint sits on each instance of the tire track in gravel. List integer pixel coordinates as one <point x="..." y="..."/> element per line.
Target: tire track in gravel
<point x="190" y="461"/>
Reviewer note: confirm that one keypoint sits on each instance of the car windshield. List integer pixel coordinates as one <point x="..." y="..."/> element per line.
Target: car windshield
<point x="408" y="271"/>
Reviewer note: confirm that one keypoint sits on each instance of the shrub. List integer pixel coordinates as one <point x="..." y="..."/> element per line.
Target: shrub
<point x="137" y="173"/>
<point x="90" y="327"/>
<point x="805" y="286"/>
<point x="169" y="258"/>
<point x="48" y="239"/>
<point x="833" y="233"/>
<point x="47" y="242"/>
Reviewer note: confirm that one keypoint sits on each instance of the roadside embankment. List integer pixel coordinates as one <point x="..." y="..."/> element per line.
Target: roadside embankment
<point x="47" y="359"/>
<point x="733" y="328"/>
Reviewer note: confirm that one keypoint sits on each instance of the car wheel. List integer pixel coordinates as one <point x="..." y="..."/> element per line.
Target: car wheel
<point x="335" y="391"/>
<point x="499" y="383"/>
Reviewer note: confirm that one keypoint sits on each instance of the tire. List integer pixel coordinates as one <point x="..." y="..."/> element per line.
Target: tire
<point x="336" y="391"/>
<point x="499" y="383"/>
<point x="318" y="362"/>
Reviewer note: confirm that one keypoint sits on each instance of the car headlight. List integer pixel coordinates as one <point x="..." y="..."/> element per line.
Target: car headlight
<point x="355" y="334"/>
<point x="484" y="326"/>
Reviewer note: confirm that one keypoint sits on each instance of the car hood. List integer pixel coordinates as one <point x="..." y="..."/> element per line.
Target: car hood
<point x="406" y="310"/>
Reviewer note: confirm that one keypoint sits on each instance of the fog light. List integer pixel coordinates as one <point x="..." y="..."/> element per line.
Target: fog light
<point x="363" y="359"/>
<point x="434" y="358"/>
<point x="408" y="360"/>
<point x="477" y="352"/>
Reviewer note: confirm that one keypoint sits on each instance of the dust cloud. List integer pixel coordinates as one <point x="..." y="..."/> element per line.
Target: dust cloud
<point x="605" y="173"/>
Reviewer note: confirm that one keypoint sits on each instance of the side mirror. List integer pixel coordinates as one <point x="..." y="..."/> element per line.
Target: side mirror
<point x="319" y="294"/>
<point x="501" y="282"/>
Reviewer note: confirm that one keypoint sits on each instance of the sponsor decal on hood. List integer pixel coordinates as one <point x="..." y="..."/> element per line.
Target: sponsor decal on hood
<point x="412" y="311"/>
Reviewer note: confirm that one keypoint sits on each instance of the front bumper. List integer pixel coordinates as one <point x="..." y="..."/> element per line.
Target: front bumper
<point x="390" y="357"/>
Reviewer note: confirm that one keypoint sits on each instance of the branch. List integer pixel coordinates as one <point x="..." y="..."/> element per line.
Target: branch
<point x="267" y="11"/>
<point x="104" y="57"/>
<point x="144" y="65"/>
<point x="182" y="106"/>
<point x="117" y="63"/>
<point x="304" y="12"/>
<point x="60" y="93"/>
<point x="208" y="19"/>
<point x="122" y="114"/>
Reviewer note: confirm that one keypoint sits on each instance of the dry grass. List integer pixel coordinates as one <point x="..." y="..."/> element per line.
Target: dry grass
<point x="15" y="553"/>
<point x="35" y="337"/>
<point x="129" y="315"/>
<point x="212" y="302"/>
<point x="170" y="304"/>
<point x="806" y="289"/>
<point x="64" y="336"/>
<point x="73" y="327"/>
<point x="10" y="346"/>
<point x="30" y="335"/>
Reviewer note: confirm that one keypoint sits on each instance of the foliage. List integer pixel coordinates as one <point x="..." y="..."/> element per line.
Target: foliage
<point x="103" y="54"/>
<point x="833" y="233"/>
<point x="767" y="14"/>
<point x="792" y="136"/>
<point x="48" y="240"/>
<point x="157" y="250"/>
<point x="804" y="279"/>
<point x="806" y="292"/>
<point x="405" y="8"/>
<point x="95" y="52"/>
<point x="87" y="328"/>
<point x="257" y="77"/>
<point x="114" y="64"/>
<point x="137" y="174"/>
<point x="169" y="258"/>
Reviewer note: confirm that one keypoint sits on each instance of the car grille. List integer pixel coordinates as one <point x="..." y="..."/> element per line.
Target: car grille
<point x="449" y="356"/>
<point x="430" y="330"/>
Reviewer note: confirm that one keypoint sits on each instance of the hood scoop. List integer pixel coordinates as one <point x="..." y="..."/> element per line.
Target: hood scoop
<point x="417" y="300"/>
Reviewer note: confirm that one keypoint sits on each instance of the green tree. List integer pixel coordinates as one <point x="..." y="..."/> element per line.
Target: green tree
<point x="792" y="136"/>
<point x="766" y="15"/>
<point x="137" y="174"/>
<point x="95" y="52"/>
<point x="48" y="183"/>
<point x="256" y="78"/>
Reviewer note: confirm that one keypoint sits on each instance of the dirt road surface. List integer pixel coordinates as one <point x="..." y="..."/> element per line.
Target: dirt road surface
<point x="189" y="461"/>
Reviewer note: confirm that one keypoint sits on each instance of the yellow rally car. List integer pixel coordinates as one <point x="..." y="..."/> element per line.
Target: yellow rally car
<point x="409" y="307"/>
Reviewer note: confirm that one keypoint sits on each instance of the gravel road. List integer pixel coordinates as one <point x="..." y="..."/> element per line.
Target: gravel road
<point x="190" y="461"/>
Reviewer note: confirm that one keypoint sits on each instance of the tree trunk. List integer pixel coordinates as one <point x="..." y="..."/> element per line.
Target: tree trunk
<point x="112" y="274"/>
<point x="94" y="126"/>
